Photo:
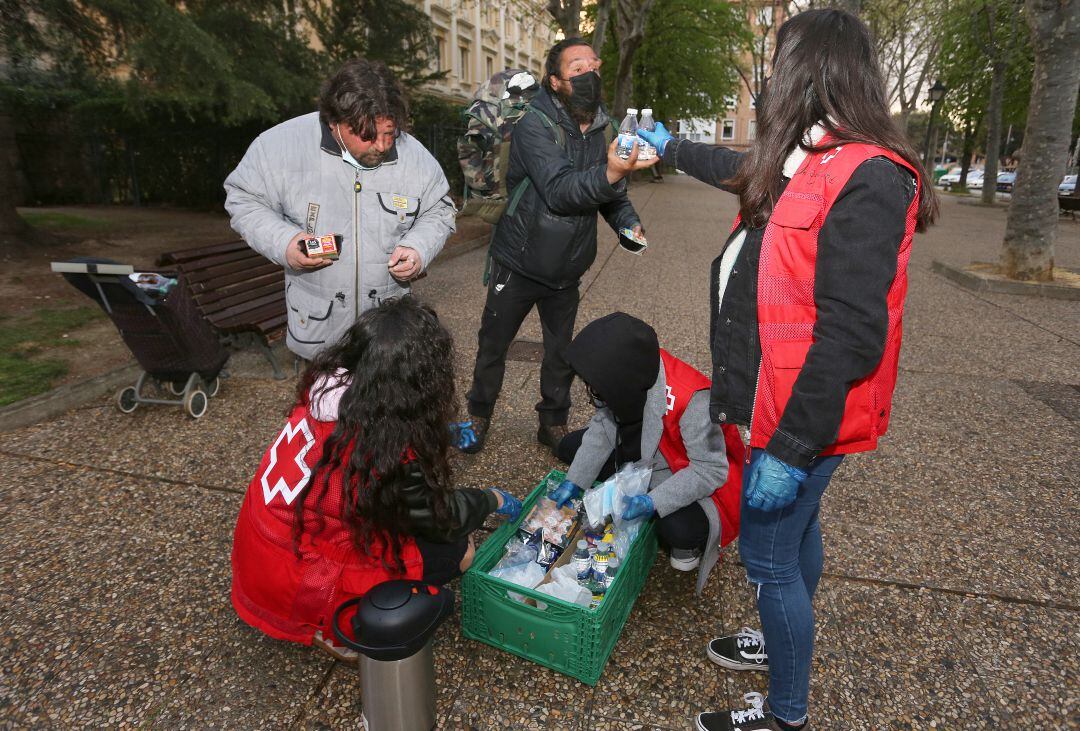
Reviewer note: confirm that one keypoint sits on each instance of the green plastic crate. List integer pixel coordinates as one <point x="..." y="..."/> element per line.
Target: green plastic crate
<point x="566" y="637"/>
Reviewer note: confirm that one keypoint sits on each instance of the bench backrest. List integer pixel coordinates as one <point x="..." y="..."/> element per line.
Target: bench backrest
<point x="236" y="288"/>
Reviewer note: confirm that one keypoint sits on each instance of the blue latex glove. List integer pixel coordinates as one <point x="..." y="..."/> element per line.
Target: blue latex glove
<point x="773" y="483"/>
<point x="564" y="493"/>
<point x="658" y="138"/>
<point x="462" y="434"/>
<point x="637" y="506"/>
<point x="511" y="506"/>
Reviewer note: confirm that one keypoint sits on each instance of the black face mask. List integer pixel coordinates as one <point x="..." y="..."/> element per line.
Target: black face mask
<point x="586" y="96"/>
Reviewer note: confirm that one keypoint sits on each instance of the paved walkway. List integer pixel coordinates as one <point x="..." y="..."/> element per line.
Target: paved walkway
<point x="952" y="585"/>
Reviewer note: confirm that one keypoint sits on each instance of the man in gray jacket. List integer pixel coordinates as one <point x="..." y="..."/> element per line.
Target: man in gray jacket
<point x="348" y="169"/>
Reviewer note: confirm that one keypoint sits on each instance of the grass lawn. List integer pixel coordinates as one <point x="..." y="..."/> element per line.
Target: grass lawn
<point x="24" y="371"/>
<point x="56" y="219"/>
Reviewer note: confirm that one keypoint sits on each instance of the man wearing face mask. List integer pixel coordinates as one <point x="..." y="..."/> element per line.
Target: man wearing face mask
<point x="546" y="239"/>
<point x="348" y="169"/>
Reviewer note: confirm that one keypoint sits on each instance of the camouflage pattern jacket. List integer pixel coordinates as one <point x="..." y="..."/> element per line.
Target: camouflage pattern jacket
<point x="550" y="236"/>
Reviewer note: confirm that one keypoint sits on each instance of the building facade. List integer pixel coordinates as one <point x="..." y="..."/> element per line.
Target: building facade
<point x="737" y="126"/>
<point x="477" y="38"/>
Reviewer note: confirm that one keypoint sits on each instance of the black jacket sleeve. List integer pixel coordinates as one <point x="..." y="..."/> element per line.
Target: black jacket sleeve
<point x="619" y="213"/>
<point x="467" y="507"/>
<point x="563" y="189"/>
<point x="710" y="164"/>
<point x="856" y="265"/>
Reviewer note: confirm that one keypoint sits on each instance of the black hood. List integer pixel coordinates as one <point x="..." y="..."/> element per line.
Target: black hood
<point x="618" y="356"/>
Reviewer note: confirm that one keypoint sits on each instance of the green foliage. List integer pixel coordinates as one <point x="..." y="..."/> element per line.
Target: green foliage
<point x="23" y="372"/>
<point x="437" y="124"/>
<point x="389" y="30"/>
<point x="685" y="65"/>
<point x="156" y="100"/>
<point x="972" y="32"/>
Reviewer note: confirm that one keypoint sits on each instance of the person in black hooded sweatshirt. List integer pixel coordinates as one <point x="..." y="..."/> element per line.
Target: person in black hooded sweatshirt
<point x="650" y="405"/>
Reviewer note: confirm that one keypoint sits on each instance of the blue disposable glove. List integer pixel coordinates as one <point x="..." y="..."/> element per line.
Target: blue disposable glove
<point x="511" y="506"/>
<point x="773" y="483"/>
<point x="564" y="493"/>
<point x="462" y="434"/>
<point x="637" y="506"/>
<point x="657" y="138"/>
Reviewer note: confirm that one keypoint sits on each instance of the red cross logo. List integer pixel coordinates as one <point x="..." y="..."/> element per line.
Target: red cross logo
<point x="287" y="472"/>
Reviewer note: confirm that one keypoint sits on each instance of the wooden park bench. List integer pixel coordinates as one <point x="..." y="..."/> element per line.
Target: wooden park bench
<point x="239" y="291"/>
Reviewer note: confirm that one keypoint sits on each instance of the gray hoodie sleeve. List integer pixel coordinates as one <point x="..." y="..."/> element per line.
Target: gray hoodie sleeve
<point x="436" y="218"/>
<point x="708" y="466"/>
<point x="254" y="205"/>
<point x="597" y="445"/>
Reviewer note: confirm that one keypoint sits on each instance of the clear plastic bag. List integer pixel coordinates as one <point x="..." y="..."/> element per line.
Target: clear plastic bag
<point x="608" y="498"/>
<point x="563" y="585"/>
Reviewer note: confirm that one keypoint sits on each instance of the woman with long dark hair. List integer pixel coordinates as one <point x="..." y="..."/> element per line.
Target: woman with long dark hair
<point x="807" y="302"/>
<point x="356" y="489"/>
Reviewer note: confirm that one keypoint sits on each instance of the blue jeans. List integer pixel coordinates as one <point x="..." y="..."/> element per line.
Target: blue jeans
<point x="782" y="554"/>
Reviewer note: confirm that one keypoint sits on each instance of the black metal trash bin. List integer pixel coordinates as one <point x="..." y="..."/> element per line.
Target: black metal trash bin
<point x="394" y="626"/>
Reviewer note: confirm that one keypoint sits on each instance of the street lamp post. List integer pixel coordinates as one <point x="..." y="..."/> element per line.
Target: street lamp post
<point x="934" y="95"/>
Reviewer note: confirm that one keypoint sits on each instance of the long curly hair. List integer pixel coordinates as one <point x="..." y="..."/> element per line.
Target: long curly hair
<point x="393" y="419"/>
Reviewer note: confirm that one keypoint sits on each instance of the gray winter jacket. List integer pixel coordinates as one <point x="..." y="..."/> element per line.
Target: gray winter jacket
<point x="705" y="447"/>
<point x="293" y="179"/>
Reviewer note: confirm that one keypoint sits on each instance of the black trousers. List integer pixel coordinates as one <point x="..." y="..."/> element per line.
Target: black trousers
<point x="687" y="527"/>
<point x="510" y="298"/>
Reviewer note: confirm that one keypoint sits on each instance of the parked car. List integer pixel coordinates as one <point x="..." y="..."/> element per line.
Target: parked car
<point x="1005" y="182"/>
<point x="975" y="180"/>
<point x="951" y="179"/>
<point x="1068" y="185"/>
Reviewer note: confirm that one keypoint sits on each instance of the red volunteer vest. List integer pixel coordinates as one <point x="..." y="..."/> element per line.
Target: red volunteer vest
<point x="273" y="590"/>
<point x="683" y="381"/>
<point x="787" y="311"/>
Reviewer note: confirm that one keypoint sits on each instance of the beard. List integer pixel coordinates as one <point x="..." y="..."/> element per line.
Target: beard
<point x="577" y="114"/>
<point x="372" y="158"/>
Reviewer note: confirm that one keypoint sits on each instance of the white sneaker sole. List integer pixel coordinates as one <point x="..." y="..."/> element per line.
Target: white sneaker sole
<point x="730" y="664"/>
<point x="685" y="564"/>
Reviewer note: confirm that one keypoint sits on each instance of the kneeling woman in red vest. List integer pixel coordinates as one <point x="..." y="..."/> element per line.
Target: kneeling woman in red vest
<point x="650" y="405"/>
<point x="807" y="310"/>
<point x="356" y="489"/>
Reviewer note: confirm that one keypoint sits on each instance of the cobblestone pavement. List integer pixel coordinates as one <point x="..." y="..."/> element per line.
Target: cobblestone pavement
<point x="952" y="584"/>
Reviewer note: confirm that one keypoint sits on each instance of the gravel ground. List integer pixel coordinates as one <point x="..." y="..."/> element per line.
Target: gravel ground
<point x="952" y="584"/>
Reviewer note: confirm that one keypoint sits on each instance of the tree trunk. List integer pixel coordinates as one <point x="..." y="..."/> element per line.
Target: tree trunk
<point x="603" y="12"/>
<point x="630" y="17"/>
<point x="993" y="132"/>
<point x="1028" y="251"/>
<point x="14" y="231"/>
<point x="568" y="15"/>
<point x="970" y="133"/>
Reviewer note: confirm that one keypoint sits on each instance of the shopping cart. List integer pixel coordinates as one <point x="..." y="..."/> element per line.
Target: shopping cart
<point x="177" y="349"/>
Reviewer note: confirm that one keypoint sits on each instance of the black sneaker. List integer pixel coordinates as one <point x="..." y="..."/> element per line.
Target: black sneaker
<point x="550" y="435"/>
<point x="754" y="718"/>
<point x="742" y="651"/>
<point x="469" y="436"/>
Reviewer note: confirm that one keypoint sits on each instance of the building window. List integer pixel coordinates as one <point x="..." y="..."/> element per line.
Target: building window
<point x="463" y="56"/>
<point x="443" y="59"/>
<point x="489" y="65"/>
<point x="751" y="131"/>
<point x="727" y="131"/>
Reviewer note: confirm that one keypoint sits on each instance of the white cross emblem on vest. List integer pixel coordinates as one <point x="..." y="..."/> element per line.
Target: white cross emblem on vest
<point x="281" y="485"/>
<point x="670" y="399"/>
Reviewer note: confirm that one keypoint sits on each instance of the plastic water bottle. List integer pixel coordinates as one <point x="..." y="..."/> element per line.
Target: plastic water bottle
<point x="647" y="152"/>
<point x="600" y="560"/>
<point x="627" y="134"/>
<point x="582" y="561"/>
